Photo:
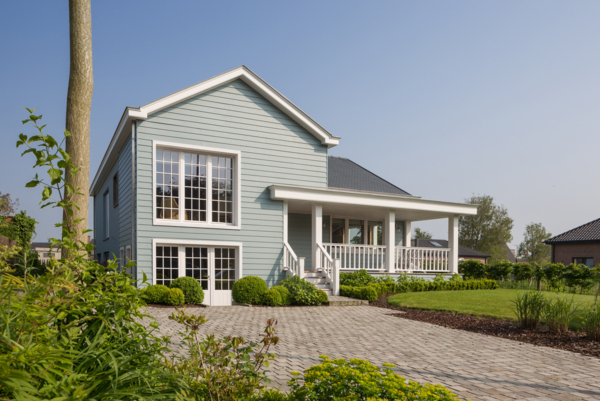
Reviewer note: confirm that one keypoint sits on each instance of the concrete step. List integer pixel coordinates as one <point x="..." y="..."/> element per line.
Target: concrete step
<point x="323" y="286"/>
<point x="318" y="280"/>
<point x="314" y="274"/>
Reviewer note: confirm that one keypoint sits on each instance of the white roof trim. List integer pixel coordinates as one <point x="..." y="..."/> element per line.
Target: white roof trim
<point x="390" y="201"/>
<point x="243" y="73"/>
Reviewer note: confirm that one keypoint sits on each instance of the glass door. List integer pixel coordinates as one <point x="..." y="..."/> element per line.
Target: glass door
<point x="197" y="266"/>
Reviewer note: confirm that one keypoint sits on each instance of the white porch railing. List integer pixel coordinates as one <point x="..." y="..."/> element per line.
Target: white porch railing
<point x="430" y="260"/>
<point x="325" y="260"/>
<point x="356" y="257"/>
<point x="290" y="260"/>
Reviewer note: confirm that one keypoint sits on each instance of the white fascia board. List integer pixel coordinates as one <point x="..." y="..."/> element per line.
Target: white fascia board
<point x="281" y="192"/>
<point x="256" y="83"/>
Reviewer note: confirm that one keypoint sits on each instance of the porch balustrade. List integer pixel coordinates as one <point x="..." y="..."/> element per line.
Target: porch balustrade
<point x="290" y="260"/>
<point x="429" y="260"/>
<point x="356" y="257"/>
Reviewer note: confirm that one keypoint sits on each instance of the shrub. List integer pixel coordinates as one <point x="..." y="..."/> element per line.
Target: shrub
<point x="272" y="297"/>
<point x="272" y="394"/>
<point x="191" y="288"/>
<point x="249" y="290"/>
<point x="301" y="291"/>
<point x="286" y="299"/>
<point x="472" y="269"/>
<point x="553" y="274"/>
<point x="522" y="271"/>
<point x="174" y="297"/>
<point x="359" y="278"/>
<point x="591" y="322"/>
<point x="455" y="278"/>
<point x="529" y="307"/>
<point x="155" y="294"/>
<point x="558" y="314"/>
<point x="369" y="292"/>
<point x="323" y="297"/>
<point x="500" y="271"/>
<point x="358" y="379"/>
<point x="579" y="276"/>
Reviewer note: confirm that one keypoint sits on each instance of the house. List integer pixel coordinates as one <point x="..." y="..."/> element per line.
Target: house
<point x="510" y="254"/>
<point x="580" y="245"/>
<point x="44" y="252"/>
<point x="228" y="178"/>
<point x="464" y="253"/>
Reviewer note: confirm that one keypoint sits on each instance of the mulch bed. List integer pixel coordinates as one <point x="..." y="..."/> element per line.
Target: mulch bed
<point x="187" y="306"/>
<point x="570" y="341"/>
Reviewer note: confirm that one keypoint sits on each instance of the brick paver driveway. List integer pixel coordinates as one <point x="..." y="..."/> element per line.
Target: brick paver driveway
<point x="475" y="366"/>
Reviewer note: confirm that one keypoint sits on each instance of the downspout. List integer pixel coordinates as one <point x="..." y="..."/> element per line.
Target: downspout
<point x="133" y="152"/>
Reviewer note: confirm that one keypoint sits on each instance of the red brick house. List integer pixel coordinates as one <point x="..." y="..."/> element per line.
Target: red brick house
<point x="580" y="245"/>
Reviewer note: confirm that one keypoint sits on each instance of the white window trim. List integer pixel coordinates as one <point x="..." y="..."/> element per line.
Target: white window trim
<point x="106" y="207"/>
<point x="237" y="182"/>
<point x="185" y="242"/>
<point x="122" y="257"/>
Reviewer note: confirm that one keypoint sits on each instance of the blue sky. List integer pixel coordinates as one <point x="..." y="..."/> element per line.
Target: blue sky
<point x="444" y="99"/>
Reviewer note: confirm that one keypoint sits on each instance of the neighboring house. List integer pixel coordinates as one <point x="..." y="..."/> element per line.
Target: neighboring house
<point x="464" y="253"/>
<point x="580" y="245"/>
<point x="44" y="252"/>
<point x="228" y="178"/>
<point x="510" y="254"/>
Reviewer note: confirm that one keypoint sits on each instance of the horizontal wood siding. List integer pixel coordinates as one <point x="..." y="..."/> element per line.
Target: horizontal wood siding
<point x="274" y="150"/>
<point x="111" y="244"/>
<point x="300" y="235"/>
<point x="125" y="211"/>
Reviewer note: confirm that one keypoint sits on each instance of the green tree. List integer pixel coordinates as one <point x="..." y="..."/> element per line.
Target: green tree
<point x="533" y="246"/>
<point x="20" y="229"/>
<point x="489" y="230"/>
<point x="7" y="206"/>
<point x="421" y="234"/>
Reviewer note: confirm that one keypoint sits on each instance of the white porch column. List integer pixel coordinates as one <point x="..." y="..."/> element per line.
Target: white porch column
<point x="407" y="233"/>
<point x="317" y="234"/>
<point x="390" y="241"/>
<point x="453" y="244"/>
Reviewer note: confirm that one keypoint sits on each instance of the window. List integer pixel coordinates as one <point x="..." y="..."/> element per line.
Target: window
<point x="106" y="212"/>
<point x="167" y="264"/>
<point x="122" y="261"/>
<point x="435" y="243"/>
<point x="106" y="256"/>
<point x="584" y="261"/>
<point x="116" y="190"/>
<point x="99" y="258"/>
<point x="224" y="268"/>
<point x="356" y="231"/>
<point x="196" y="264"/>
<point x="338" y="230"/>
<point x="128" y="253"/>
<point x="196" y="186"/>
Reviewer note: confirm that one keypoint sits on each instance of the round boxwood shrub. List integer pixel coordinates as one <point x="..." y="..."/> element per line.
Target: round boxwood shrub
<point x="272" y="297"/>
<point x="192" y="290"/>
<point x="323" y="298"/>
<point x="155" y="294"/>
<point x="249" y="290"/>
<point x="286" y="298"/>
<point x="174" y="297"/>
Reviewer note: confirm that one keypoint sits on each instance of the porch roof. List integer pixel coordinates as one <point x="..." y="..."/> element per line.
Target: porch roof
<point x="367" y="205"/>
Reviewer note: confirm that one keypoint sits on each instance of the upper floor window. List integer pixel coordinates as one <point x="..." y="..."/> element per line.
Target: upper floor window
<point x="116" y="190"/>
<point x="196" y="187"/>
<point x="106" y="205"/>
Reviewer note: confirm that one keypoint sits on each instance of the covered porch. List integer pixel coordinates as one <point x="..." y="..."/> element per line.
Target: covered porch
<point x="335" y="230"/>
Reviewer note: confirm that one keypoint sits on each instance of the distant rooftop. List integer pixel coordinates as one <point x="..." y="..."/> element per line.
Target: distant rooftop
<point x="589" y="232"/>
<point x="463" y="251"/>
<point x="345" y="174"/>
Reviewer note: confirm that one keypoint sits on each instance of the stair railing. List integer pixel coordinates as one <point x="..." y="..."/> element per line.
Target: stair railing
<point x="291" y="264"/>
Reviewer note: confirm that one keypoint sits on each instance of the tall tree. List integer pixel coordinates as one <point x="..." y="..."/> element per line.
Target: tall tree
<point x="421" y="234"/>
<point x="8" y="206"/>
<point x="533" y="246"/>
<point x="489" y="230"/>
<point x="79" y="105"/>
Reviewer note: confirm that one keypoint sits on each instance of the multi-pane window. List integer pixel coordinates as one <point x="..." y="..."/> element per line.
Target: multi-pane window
<point x="167" y="264"/>
<point x="222" y="190"/>
<point x="224" y="268"/>
<point x="195" y="187"/>
<point x="116" y="190"/>
<point x="105" y="222"/>
<point x="206" y="183"/>
<point x="584" y="261"/>
<point x="167" y="185"/>
<point x="196" y="264"/>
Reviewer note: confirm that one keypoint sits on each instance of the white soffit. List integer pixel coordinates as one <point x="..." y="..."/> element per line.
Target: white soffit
<point x="243" y="73"/>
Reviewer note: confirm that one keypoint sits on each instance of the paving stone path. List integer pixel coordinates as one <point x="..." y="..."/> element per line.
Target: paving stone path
<point x="472" y="365"/>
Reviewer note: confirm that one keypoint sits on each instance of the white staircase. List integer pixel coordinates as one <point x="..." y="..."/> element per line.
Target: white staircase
<point x="320" y="280"/>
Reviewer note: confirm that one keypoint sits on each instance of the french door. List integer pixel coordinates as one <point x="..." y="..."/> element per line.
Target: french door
<point x="214" y="267"/>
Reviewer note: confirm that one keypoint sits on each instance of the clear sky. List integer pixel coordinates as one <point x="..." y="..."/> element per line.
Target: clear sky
<point x="443" y="98"/>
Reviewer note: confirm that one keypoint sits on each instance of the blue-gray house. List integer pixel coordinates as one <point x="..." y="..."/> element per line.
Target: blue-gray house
<point x="229" y="178"/>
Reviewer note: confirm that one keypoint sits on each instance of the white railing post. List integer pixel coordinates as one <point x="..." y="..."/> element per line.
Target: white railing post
<point x="390" y="238"/>
<point x="301" y="267"/>
<point x="453" y="244"/>
<point x="336" y="277"/>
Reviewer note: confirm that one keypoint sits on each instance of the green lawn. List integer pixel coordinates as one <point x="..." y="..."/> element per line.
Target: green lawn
<point x="495" y="303"/>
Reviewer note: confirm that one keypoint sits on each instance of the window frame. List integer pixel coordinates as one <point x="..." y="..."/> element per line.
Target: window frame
<point x="115" y="190"/>
<point x="195" y="243"/>
<point x="236" y="157"/>
<point x="121" y="256"/>
<point x="106" y="220"/>
<point x="584" y="257"/>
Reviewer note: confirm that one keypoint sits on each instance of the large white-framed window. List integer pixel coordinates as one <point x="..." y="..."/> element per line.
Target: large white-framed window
<point x="196" y="186"/>
<point x="106" y="206"/>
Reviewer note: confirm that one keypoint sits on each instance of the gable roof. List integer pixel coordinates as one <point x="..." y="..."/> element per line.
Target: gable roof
<point x="589" y="232"/>
<point x="463" y="251"/>
<point x="132" y="114"/>
<point x="345" y="174"/>
<point x="510" y="256"/>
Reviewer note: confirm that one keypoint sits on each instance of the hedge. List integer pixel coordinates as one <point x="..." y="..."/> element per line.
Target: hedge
<point x="249" y="290"/>
<point x="191" y="288"/>
<point x="368" y="292"/>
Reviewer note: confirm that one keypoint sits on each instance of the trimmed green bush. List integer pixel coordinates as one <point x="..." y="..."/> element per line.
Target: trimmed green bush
<point x="272" y="297"/>
<point x="369" y="292"/>
<point x="249" y="290"/>
<point x="472" y="269"/>
<point x="174" y="297"/>
<point x="301" y="291"/>
<point x="323" y="297"/>
<point x="191" y="288"/>
<point x="286" y="298"/>
<point x="358" y="278"/>
<point x="155" y="294"/>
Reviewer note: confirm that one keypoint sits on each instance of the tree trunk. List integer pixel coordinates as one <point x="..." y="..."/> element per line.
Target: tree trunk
<point x="79" y="105"/>
<point x="539" y="285"/>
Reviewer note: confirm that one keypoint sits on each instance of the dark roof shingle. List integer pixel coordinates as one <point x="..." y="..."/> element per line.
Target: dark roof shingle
<point x="463" y="251"/>
<point x="587" y="232"/>
<point x="345" y="174"/>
